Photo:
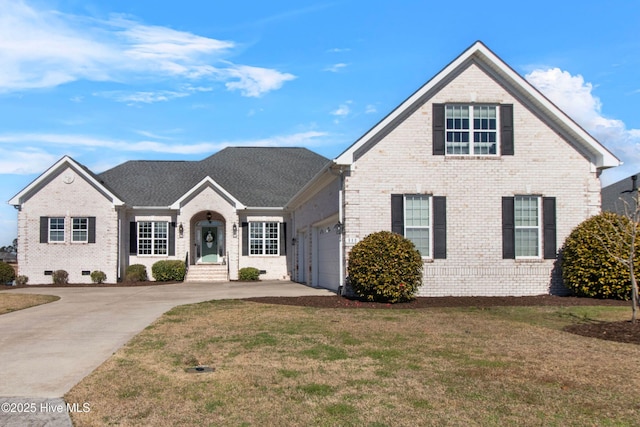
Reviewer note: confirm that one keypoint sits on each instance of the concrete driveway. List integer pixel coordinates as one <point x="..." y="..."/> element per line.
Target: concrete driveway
<point x="46" y="350"/>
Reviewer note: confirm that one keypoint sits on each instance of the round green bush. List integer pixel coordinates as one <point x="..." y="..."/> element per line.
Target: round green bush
<point x="385" y="267"/>
<point x="7" y="273"/>
<point x="136" y="273"/>
<point x="248" y="274"/>
<point x="588" y="270"/>
<point x="60" y="277"/>
<point x="168" y="270"/>
<point x="98" y="276"/>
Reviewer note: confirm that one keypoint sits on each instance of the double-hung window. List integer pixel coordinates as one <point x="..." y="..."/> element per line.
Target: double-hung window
<point x="153" y="237"/>
<point x="421" y="218"/>
<point x="56" y="229"/>
<point x="80" y="230"/>
<point x="417" y="222"/>
<point x="527" y="226"/>
<point x="264" y="238"/>
<point x="471" y="129"/>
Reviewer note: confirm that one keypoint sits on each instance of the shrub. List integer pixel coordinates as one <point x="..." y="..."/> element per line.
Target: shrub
<point x="385" y="267"/>
<point x="249" y="273"/>
<point x="22" y="280"/>
<point x="7" y="273"/>
<point x="60" y="277"/>
<point x="588" y="270"/>
<point x="136" y="273"/>
<point x="168" y="270"/>
<point x="98" y="276"/>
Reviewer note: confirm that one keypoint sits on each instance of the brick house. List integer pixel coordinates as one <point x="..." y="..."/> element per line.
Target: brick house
<point x="483" y="173"/>
<point x="477" y="167"/>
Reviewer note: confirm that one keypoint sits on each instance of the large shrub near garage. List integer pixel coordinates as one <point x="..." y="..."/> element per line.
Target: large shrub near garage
<point x="7" y="273"/>
<point x="588" y="270"/>
<point x="168" y="270"/>
<point x="385" y="267"/>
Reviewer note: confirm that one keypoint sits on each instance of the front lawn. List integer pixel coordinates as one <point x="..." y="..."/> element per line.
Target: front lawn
<point x="287" y="365"/>
<point x="13" y="302"/>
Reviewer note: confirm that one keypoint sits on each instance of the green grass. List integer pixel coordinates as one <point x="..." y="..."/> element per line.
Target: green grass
<point x="283" y="365"/>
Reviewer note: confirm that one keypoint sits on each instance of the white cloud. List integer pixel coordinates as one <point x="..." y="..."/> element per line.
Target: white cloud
<point x="575" y="97"/>
<point x="35" y="160"/>
<point x="41" y="48"/>
<point x="336" y="67"/>
<point x="255" y="81"/>
<point x="339" y="50"/>
<point x="370" y="109"/>
<point x="343" y="110"/>
<point x="144" y="97"/>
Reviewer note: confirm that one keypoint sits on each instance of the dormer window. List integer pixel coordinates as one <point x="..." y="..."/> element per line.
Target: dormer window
<point x="471" y="129"/>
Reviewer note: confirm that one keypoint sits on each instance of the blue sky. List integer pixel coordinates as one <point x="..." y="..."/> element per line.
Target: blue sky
<point x="106" y="82"/>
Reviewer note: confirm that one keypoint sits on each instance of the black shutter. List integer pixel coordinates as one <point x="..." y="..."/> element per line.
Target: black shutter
<point x="506" y="130"/>
<point x="92" y="229"/>
<point x="438" y="130"/>
<point x="397" y="213"/>
<point x="133" y="238"/>
<point x="172" y="239"/>
<point x="549" y="227"/>
<point x="283" y="238"/>
<point x="508" y="228"/>
<point x="245" y="238"/>
<point x="44" y="229"/>
<point x="439" y="227"/>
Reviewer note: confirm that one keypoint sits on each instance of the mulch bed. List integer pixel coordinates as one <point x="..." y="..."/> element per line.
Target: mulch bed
<point x="625" y="332"/>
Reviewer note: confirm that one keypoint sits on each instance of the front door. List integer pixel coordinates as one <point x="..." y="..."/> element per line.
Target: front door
<point x="209" y="244"/>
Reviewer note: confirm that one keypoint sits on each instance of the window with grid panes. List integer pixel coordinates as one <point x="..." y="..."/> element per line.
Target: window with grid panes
<point x="527" y="226"/>
<point x="80" y="230"/>
<point x="56" y="229"/>
<point x="471" y="129"/>
<point x="417" y="222"/>
<point x="152" y="237"/>
<point x="264" y="238"/>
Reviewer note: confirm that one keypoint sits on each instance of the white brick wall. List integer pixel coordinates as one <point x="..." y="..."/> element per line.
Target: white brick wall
<point x="322" y="205"/>
<point x="59" y="199"/>
<point x="543" y="164"/>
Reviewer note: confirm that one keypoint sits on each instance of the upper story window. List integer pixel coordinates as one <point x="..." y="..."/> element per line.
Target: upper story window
<point x="56" y="229"/>
<point x="153" y="237"/>
<point x="471" y="129"/>
<point x="80" y="230"/>
<point x="264" y="238"/>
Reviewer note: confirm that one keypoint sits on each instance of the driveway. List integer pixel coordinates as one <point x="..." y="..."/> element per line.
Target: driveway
<point x="46" y="350"/>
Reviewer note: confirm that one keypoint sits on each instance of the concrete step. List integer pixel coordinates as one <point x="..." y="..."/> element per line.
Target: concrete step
<point x="207" y="273"/>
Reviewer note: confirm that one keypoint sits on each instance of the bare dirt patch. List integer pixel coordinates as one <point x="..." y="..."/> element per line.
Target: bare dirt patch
<point x="626" y="332"/>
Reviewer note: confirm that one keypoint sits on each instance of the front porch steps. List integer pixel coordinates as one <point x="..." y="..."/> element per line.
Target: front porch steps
<point x="207" y="273"/>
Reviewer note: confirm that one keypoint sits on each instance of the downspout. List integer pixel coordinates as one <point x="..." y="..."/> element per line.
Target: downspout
<point x="341" y="246"/>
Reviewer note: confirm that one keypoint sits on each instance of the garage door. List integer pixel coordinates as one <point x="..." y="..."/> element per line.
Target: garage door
<point x="328" y="259"/>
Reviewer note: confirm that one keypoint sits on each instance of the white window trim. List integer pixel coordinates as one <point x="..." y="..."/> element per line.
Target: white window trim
<point x="86" y="230"/>
<point x="64" y="230"/>
<point x="538" y="227"/>
<point x="429" y="227"/>
<point x="264" y="239"/>
<point x="472" y="129"/>
<point x="153" y="239"/>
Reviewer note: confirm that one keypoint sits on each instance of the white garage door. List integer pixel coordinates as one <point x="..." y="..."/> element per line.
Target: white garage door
<point x="328" y="259"/>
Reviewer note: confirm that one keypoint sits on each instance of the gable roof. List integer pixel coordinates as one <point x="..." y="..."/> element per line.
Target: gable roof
<point x="254" y="176"/>
<point x="63" y="163"/>
<point x="491" y="63"/>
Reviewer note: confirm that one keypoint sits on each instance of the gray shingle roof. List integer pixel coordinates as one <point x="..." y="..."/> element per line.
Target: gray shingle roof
<point x="256" y="176"/>
<point x="613" y="193"/>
